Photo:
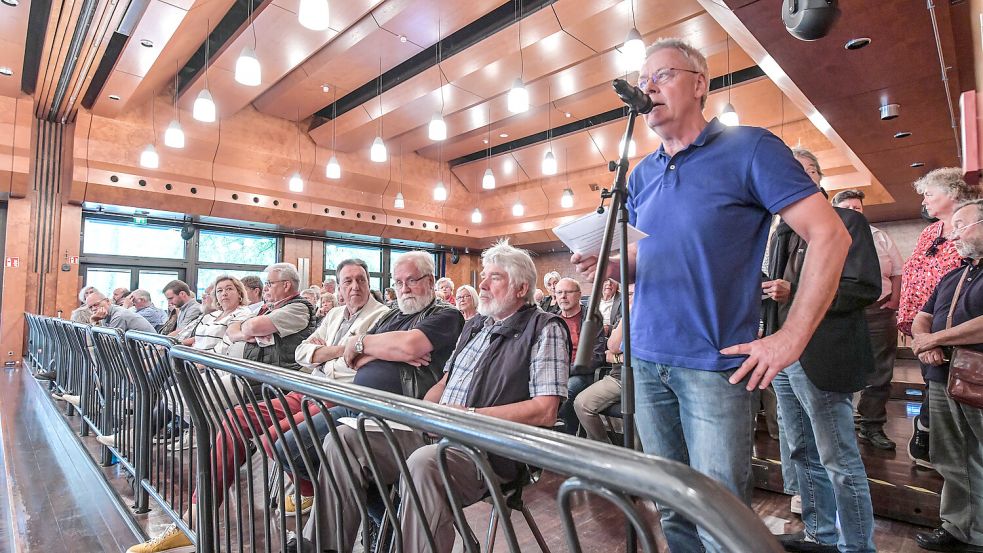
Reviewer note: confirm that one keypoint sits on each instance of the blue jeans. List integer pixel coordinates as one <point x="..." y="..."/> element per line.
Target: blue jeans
<point x="823" y="448"/>
<point x="292" y="444"/>
<point x="700" y="419"/>
<point x="575" y="384"/>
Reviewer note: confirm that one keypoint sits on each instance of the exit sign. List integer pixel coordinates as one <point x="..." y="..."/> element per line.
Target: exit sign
<point x="139" y="220"/>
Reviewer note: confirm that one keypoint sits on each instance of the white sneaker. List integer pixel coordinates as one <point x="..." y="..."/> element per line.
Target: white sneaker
<point x="796" y="505"/>
<point x="108" y="440"/>
<point x="73" y="399"/>
<point x="187" y="441"/>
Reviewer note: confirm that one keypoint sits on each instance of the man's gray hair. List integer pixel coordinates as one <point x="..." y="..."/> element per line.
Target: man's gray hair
<point x="140" y="293"/>
<point x="696" y="59"/>
<point x="345" y="263"/>
<point x="806" y="154"/>
<point x="978" y="204"/>
<point x="550" y="276"/>
<point x="287" y="271"/>
<point x="85" y="291"/>
<point x="851" y="194"/>
<point x="517" y="264"/>
<point x="949" y="180"/>
<point x="422" y="260"/>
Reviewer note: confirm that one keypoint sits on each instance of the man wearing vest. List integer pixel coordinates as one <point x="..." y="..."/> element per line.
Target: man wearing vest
<point x="511" y="362"/>
<point x="270" y="338"/>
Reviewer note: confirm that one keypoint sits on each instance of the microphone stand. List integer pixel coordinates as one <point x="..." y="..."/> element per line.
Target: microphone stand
<point x="617" y="219"/>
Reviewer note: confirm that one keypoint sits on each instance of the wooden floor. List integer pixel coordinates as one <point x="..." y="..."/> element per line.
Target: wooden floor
<point x="52" y="498"/>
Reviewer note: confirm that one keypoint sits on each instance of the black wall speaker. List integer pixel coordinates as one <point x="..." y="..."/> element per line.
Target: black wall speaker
<point x="187" y="231"/>
<point x="454" y="257"/>
<point x="809" y="19"/>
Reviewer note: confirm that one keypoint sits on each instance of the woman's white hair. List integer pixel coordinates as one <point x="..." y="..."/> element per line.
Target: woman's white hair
<point x="517" y="264"/>
<point x="471" y="291"/>
<point x="85" y="292"/>
<point x="550" y="276"/>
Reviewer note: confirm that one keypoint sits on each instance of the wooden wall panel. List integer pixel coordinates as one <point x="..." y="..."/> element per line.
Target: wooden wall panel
<point x="15" y="279"/>
<point x="460" y="272"/>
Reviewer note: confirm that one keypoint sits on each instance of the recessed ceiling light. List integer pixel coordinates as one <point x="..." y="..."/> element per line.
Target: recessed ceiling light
<point x="113" y="97"/>
<point x="902" y="134"/>
<point x="856" y="43"/>
<point x="566" y="114"/>
<point x="11" y="3"/>
<point x="325" y="87"/>
<point x="484" y="141"/>
<point x="146" y="43"/>
<point x="6" y="71"/>
<point x="402" y="38"/>
<point x="917" y="164"/>
<point x="504" y="135"/>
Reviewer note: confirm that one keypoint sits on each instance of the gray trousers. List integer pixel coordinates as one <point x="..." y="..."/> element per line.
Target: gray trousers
<point x="424" y="469"/>
<point x="589" y="404"/>
<point x="956" y="443"/>
<point x="883" y="327"/>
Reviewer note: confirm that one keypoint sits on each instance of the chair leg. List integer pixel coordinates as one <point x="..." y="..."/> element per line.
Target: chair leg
<point x="492" y="530"/>
<point x="535" y="530"/>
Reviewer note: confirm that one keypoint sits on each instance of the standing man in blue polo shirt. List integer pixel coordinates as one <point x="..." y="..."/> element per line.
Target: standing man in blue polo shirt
<point x="706" y="198"/>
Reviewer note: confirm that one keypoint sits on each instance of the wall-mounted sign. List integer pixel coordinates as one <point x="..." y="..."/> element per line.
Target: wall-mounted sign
<point x="12" y="262"/>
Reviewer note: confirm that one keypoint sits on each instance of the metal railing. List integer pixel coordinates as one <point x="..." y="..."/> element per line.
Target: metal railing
<point x="239" y="473"/>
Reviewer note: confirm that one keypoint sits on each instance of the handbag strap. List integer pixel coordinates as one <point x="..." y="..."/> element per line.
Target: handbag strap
<point x="955" y="297"/>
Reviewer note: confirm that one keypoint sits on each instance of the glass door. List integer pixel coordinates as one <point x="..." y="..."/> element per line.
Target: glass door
<point x="107" y="279"/>
<point x="154" y="280"/>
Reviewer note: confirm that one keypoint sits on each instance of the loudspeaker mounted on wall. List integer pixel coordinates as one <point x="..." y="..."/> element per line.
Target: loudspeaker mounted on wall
<point x="809" y="19"/>
<point x="187" y="231"/>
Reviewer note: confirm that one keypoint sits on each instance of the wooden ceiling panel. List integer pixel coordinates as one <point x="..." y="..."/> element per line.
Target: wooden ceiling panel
<point x="419" y="24"/>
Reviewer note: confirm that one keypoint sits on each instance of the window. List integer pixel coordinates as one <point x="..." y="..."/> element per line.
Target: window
<point x="112" y="237"/>
<point x="237" y="249"/>
<point x="336" y="253"/>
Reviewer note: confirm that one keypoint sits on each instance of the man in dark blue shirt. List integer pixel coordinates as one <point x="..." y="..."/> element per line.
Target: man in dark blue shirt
<point x="956" y="440"/>
<point x="705" y="199"/>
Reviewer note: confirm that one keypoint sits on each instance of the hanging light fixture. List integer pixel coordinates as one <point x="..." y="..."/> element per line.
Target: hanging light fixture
<point x="248" y="71"/>
<point x="174" y="135"/>
<point x="296" y="183"/>
<point x="440" y="192"/>
<point x="399" y="202"/>
<point x="518" y="210"/>
<point x="566" y="200"/>
<point x="313" y="14"/>
<point x="149" y="157"/>
<point x="633" y="50"/>
<point x="476" y="216"/>
<point x="488" y="180"/>
<point x="728" y="116"/>
<point x="377" y="152"/>
<point x="204" y="107"/>
<point x="549" y="163"/>
<point x="518" y="99"/>
<point x="438" y="129"/>
<point x="549" y="160"/>
<point x="333" y="169"/>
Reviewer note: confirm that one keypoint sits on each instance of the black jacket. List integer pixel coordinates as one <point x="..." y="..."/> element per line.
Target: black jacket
<point x="838" y="358"/>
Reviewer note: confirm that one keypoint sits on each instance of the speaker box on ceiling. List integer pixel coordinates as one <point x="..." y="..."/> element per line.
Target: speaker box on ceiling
<point x="187" y="231"/>
<point x="809" y="19"/>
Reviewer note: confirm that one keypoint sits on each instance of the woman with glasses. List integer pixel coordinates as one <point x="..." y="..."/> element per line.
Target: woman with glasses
<point x="467" y="301"/>
<point x="934" y="256"/>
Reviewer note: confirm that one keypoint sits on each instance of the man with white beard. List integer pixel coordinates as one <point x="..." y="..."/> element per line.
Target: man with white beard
<point x="511" y="362"/>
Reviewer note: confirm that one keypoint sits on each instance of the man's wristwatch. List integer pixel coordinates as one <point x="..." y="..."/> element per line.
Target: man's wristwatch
<point x="359" y="345"/>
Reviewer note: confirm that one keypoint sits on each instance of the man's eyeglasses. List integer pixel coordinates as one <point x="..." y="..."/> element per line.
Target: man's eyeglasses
<point x="408" y="282"/>
<point x="269" y="283"/>
<point x="459" y="298"/>
<point x="661" y="77"/>
<point x="565" y="292"/>
<point x="956" y="232"/>
<point x="934" y="248"/>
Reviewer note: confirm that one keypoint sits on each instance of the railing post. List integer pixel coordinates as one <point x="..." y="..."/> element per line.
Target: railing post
<point x="204" y="510"/>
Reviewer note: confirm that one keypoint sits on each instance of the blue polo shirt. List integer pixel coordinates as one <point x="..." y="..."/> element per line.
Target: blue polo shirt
<point x="706" y="210"/>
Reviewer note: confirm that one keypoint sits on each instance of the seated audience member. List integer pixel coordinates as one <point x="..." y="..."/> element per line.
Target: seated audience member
<point x="106" y="313"/>
<point x="82" y="314"/>
<point x="145" y="307"/>
<point x="227" y="297"/>
<point x="467" y="301"/>
<point x="404" y="353"/>
<point x="326" y="303"/>
<point x="445" y="290"/>
<point x="377" y="295"/>
<point x="815" y="394"/>
<point x="953" y="317"/>
<point x="186" y="336"/>
<point x="271" y="338"/>
<point x="549" y="300"/>
<point x="330" y="285"/>
<point x="610" y="305"/>
<point x="538" y="296"/>
<point x="312" y="295"/>
<point x="390" y="297"/>
<point x="254" y="292"/>
<point x="568" y="294"/>
<point x="605" y="392"/>
<point x="118" y="295"/>
<point x="510" y="362"/>
<point x="882" y="323"/>
<point x="180" y="297"/>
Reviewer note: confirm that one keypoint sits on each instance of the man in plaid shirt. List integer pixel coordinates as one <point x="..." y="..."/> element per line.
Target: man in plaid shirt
<point x="511" y="362"/>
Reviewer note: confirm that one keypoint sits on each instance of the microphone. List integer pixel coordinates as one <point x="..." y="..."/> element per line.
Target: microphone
<point x="633" y="96"/>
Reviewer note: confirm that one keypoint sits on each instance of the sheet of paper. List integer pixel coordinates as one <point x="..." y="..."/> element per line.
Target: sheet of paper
<point x="584" y="235"/>
<point x="371" y="426"/>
